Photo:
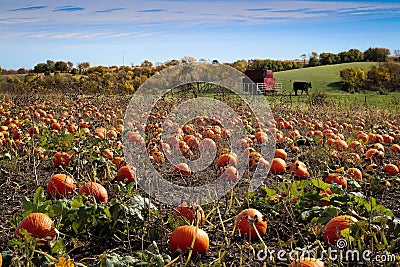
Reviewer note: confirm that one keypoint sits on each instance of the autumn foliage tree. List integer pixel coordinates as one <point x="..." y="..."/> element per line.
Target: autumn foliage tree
<point x="353" y="79"/>
<point x="383" y="77"/>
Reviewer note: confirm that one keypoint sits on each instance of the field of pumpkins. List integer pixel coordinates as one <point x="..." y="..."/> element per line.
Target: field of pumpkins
<point x="69" y="198"/>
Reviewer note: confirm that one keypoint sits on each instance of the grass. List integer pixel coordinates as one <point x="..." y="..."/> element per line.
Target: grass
<point x="324" y="78"/>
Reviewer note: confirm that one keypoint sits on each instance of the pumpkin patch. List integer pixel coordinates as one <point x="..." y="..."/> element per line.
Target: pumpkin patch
<point x="320" y="164"/>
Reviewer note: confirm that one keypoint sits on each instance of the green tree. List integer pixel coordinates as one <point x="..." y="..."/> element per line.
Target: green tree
<point x="61" y="66"/>
<point x="40" y="68"/>
<point x="51" y="64"/>
<point x="327" y="58"/>
<point x="376" y="54"/>
<point x="344" y="57"/>
<point x="355" y="55"/>
<point x="314" y="61"/>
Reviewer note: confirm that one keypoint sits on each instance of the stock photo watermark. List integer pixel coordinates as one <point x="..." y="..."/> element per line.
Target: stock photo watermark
<point x="340" y="253"/>
<point x="155" y="89"/>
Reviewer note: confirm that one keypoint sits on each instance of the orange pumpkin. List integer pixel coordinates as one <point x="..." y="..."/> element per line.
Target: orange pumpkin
<point x="335" y="225"/>
<point x="108" y="153"/>
<point x="60" y="185"/>
<point x="182" y="168"/>
<point x="190" y="212"/>
<point x="61" y="159"/>
<point x="227" y="159"/>
<point x="278" y="166"/>
<point x="229" y="173"/>
<point x="323" y="194"/>
<point x="340" y="145"/>
<point x="118" y="161"/>
<point x="307" y="262"/>
<point x="395" y="148"/>
<point x="337" y="178"/>
<point x="38" y="225"/>
<point x="94" y="189"/>
<point x="248" y="220"/>
<point x="371" y="167"/>
<point x="374" y="153"/>
<point x="354" y="173"/>
<point x="207" y="144"/>
<point x="280" y="153"/>
<point x="191" y="141"/>
<point x="126" y="173"/>
<point x="299" y="169"/>
<point x="182" y="237"/>
<point x="391" y="169"/>
<point x="261" y="137"/>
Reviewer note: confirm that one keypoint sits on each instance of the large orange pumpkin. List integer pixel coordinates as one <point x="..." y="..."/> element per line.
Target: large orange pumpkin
<point x="60" y="185"/>
<point x="249" y="219"/>
<point x="278" y="166"/>
<point x="307" y="262"/>
<point x="126" y="173"/>
<point x="335" y="225"/>
<point x="38" y="225"/>
<point x="182" y="237"/>
<point x="96" y="190"/>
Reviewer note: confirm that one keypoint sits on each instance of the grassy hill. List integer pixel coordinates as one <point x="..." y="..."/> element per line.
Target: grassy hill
<point x="324" y="78"/>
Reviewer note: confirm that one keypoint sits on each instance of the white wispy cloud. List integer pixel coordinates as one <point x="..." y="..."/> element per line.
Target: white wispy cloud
<point x="123" y="17"/>
<point x="16" y="20"/>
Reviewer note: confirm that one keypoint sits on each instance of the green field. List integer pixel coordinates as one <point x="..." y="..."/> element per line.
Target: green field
<point x="326" y="79"/>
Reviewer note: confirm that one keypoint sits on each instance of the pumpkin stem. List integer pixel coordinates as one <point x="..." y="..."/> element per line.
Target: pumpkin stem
<point x="46" y="255"/>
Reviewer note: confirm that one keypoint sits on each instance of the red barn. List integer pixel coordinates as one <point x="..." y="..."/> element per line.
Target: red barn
<point x="264" y="79"/>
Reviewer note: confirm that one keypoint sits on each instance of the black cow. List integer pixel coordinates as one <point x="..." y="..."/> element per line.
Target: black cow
<point x="303" y="86"/>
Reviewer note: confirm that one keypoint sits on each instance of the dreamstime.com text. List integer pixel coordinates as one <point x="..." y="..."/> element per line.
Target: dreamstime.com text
<point x="337" y="254"/>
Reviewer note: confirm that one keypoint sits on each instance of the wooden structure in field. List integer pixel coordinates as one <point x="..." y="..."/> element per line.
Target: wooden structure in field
<point x="264" y="82"/>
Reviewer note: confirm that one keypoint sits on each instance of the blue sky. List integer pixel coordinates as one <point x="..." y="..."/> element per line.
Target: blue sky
<point x="130" y="31"/>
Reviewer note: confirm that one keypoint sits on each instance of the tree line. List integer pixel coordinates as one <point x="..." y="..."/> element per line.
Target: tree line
<point x="383" y="78"/>
<point x="62" y="76"/>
